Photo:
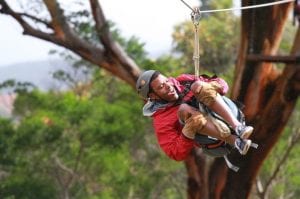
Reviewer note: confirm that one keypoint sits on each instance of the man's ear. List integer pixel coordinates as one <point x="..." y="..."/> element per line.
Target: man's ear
<point x="152" y="96"/>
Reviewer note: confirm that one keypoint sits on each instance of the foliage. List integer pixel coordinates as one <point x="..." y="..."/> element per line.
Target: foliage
<point x="132" y="46"/>
<point x="12" y="85"/>
<point x="287" y="39"/>
<point x="87" y="146"/>
<point x="217" y="40"/>
<point x="89" y="141"/>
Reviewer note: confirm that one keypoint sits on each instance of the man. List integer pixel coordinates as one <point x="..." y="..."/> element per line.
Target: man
<point x="176" y="119"/>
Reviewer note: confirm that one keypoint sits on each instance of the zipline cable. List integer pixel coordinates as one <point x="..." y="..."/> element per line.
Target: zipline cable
<point x="240" y="8"/>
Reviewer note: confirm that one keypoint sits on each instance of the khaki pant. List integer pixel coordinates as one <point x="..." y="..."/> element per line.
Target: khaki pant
<point x="208" y="92"/>
<point x="195" y="120"/>
<point x="196" y="123"/>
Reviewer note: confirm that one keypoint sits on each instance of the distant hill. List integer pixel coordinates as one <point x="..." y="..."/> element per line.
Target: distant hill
<point x="39" y="73"/>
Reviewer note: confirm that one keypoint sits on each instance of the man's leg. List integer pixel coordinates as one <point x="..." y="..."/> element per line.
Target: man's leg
<point x="207" y="94"/>
<point x="220" y="107"/>
<point x="196" y="122"/>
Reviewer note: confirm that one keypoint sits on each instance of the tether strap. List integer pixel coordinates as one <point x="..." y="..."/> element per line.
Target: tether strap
<point x="195" y="15"/>
<point x="230" y="165"/>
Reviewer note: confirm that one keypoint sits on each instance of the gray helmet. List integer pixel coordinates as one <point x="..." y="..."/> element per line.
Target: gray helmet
<point x="143" y="83"/>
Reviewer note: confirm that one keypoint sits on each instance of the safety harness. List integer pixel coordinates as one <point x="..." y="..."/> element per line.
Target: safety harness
<point x="209" y="145"/>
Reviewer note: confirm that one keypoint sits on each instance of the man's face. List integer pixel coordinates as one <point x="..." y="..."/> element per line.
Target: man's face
<point x="163" y="89"/>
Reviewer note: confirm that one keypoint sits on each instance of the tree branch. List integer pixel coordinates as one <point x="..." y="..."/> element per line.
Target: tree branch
<point x="109" y="55"/>
<point x="62" y="166"/>
<point x="293" y="140"/>
<point x="102" y="27"/>
<point x="28" y="29"/>
<point x="113" y="48"/>
<point x="59" y="23"/>
<point x="48" y="25"/>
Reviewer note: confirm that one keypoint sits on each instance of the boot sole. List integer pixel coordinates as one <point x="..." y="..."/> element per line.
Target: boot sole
<point x="247" y="146"/>
<point x="246" y="134"/>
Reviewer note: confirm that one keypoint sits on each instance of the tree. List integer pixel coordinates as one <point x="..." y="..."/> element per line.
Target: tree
<point x="269" y="95"/>
<point x="257" y="85"/>
<point x="183" y="46"/>
<point x="277" y="177"/>
<point x="107" y="53"/>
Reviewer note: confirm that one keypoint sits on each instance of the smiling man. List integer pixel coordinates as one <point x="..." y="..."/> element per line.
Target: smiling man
<point x="173" y="103"/>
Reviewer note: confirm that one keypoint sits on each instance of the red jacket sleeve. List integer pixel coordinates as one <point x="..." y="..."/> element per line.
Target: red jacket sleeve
<point x="168" y="132"/>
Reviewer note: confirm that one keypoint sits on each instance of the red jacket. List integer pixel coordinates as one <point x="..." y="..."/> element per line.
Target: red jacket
<point x="166" y="123"/>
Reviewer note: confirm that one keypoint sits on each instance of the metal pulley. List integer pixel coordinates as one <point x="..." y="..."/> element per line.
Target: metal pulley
<point x="196" y="16"/>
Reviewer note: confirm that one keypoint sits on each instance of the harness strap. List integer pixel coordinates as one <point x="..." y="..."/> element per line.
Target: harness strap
<point x="230" y="165"/>
<point x="186" y="90"/>
<point x="215" y="145"/>
<point x="219" y="143"/>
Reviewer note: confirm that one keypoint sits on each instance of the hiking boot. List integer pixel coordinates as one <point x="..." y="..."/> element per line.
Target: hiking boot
<point x="243" y="131"/>
<point x="242" y="145"/>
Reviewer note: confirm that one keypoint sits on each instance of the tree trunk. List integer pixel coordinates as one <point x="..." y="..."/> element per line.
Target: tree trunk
<point x="269" y="96"/>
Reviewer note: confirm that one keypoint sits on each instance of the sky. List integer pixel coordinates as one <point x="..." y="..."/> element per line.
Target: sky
<point x="151" y="21"/>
